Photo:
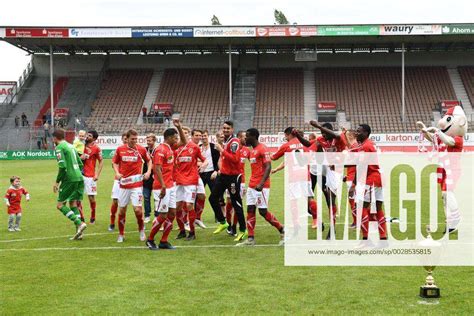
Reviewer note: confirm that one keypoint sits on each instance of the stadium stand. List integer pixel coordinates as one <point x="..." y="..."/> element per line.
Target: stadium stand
<point x="280" y="99"/>
<point x="200" y="95"/>
<point x="373" y="95"/>
<point x="119" y="100"/>
<point x="467" y="76"/>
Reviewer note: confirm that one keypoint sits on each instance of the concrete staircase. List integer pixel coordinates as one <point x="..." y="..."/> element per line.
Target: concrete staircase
<point x="309" y="95"/>
<point x="460" y="90"/>
<point x="243" y="100"/>
<point x="152" y="93"/>
<point x="78" y="97"/>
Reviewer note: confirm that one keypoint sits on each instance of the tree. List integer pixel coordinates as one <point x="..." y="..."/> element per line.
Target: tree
<point x="215" y="20"/>
<point x="280" y="18"/>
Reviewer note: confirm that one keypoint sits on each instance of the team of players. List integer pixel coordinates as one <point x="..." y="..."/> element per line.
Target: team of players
<point x="175" y="166"/>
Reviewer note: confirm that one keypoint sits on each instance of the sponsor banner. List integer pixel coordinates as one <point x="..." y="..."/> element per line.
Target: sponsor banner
<point x="458" y="29"/>
<point x="276" y="140"/>
<point x="162" y="32"/>
<point x="6" y="89"/>
<point x="348" y="30"/>
<point x="408" y="29"/>
<point x="27" y="154"/>
<point x="286" y="31"/>
<point x="326" y="107"/>
<point x="108" y="32"/>
<point x="224" y="31"/>
<point x="2" y="32"/>
<point x="37" y="32"/>
<point x="163" y="107"/>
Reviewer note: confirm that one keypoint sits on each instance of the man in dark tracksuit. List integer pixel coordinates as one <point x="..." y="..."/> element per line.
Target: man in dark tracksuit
<point x="229" y="179"/>
<point x="148" y="184"/>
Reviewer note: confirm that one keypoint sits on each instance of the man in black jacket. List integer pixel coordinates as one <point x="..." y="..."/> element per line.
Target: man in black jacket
<point x="211" y="154"/>
<point x="148" y="184"/>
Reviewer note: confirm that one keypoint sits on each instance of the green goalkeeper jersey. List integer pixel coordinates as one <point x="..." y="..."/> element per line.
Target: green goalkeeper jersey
<point x="69" y="163"/>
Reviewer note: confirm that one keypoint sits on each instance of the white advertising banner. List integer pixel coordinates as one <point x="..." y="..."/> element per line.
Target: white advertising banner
<point x="224" y="31"/>
<point x="6" y="89"/>
<point x="407" y="29"/>
<point x="276" y="140"/>
<point x="125" y="32"/>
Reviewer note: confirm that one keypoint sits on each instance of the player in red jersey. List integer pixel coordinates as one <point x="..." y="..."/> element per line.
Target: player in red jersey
<point x="187" y="179"/>
<point x="229" y="210"/>
<point x="294" y="145"/>
<point x="164" y="189"/>
<point x="229" y="179"/>
<point x="92" y="154"/>
<point x="128" y="163"/>
<point x="373" y="184"/>
<point x="258" y="193"/>
<point x="115" y="193"/>
<point x="329" y="141"/>
<point x="349" y="179"/>
<point x="13" y="202"/>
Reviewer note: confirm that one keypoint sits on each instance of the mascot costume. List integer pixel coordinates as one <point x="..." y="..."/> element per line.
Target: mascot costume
<point x="448" y="137"/>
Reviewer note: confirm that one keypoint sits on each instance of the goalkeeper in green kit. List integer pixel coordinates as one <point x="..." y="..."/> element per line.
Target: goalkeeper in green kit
<point x="69" y="181"/>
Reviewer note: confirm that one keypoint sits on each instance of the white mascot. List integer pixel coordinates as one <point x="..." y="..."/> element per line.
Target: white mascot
<point x="448" y="137"/>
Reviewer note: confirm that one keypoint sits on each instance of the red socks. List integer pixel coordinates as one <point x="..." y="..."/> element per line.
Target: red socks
<point x="79" y="207"/>
<point x="251" y="219"/>
<point x="180" y="217"/>
<point x="382" y="225"/>
<point x="313" y="208"/>
<point x="121" y="224"/>
<point x="168" y="227"/>
<point x="269" y="217"/>
<point x="192" y="218"/>
<point x="113" y="212"/>
<point x="156" y="226"/>
<point x="139" y="216"/>
<point x="92" y="210"/>
<point x="334" y="214"/>
<point x="353" y="206"/>
<point x="200" y="207"/>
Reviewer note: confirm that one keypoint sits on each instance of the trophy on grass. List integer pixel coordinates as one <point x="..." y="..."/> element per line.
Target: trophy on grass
<point x="430" y="289"/>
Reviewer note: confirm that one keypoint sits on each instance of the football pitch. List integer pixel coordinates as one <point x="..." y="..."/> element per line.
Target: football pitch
<point x="43" y="272"/>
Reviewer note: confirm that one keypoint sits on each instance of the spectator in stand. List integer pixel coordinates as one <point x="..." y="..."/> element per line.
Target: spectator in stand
<point x="44" y="118"/>
<point x="24" y="120"/>
<point x="144" y="110"/>
<point x="167" y="116"/>
<point x="17" y="121"/>
<point x="39" y="138"/>
<point x="151" y="116"/>
<point x="157" y="117"/>
<point x="46" y="127"/>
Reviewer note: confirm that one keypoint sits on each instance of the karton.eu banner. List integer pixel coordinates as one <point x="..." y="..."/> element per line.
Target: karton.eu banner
<point x="387" y="209"/>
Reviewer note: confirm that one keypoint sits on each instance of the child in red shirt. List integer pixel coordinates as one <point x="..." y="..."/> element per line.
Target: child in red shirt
<point x="13" y="201"/>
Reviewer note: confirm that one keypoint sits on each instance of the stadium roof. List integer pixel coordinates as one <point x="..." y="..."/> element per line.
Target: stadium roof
<point x="244" y="39"/>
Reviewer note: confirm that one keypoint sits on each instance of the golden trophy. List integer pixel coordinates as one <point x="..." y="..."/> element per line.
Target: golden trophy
<point x="430" y="289"/>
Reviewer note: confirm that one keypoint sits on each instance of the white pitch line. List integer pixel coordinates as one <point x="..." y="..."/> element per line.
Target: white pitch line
<point x="128" y="247"/>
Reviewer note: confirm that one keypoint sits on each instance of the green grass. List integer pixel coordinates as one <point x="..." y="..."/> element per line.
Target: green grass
<point x="189" y="280"/>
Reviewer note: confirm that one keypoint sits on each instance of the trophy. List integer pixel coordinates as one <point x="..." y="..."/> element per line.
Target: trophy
<point x="430" y="289"/>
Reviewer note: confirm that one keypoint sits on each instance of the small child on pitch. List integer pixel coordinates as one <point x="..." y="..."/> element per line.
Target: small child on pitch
<point x="13" y="201"/>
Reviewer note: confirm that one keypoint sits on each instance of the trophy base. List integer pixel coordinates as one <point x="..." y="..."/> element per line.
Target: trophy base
<point x="429" y="292"/>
